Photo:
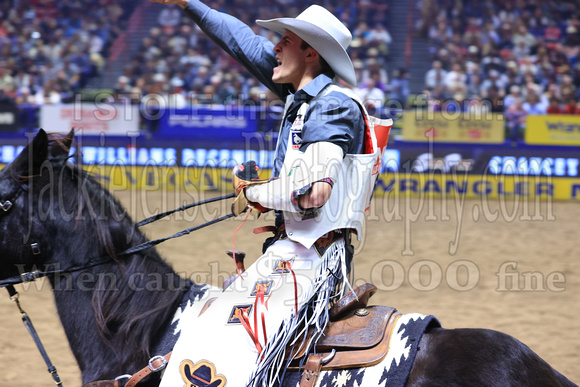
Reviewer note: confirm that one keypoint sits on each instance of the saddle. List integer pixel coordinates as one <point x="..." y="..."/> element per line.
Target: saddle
<point x="357" y="336"/>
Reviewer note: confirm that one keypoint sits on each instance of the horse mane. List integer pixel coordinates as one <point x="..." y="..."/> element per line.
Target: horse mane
<point x="134" y="297"/>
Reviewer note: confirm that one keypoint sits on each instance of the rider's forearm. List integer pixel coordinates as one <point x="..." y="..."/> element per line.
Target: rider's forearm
<point x="306" y="183"/>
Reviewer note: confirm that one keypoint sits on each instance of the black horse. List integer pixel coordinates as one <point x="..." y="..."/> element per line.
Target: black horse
<point x="54" y="217"/>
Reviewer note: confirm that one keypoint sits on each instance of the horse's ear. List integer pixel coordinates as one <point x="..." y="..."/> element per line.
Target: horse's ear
<point x="28" y="163"/>
<point x="68" y="140"/>
<point x="60" y="149"/>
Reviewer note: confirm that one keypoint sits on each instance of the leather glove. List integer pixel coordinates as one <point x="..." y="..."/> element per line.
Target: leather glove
<point x="243" y="176"/>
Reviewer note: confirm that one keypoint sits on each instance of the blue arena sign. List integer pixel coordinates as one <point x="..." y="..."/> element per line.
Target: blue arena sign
<point x="547" y="166"/>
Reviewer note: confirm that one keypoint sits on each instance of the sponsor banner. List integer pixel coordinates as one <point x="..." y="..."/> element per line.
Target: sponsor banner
<point x="90" y="119"/>
<point x="478" y="187"/>
<point x="449" y="186"/>
<point x="420" y="158"/>
<point x="9" y="118"/>
<point x="205" y="122"/>
<point x="492" y="160"/>
<point x="460" y="127"/>
<point x="553" y="130"/>
<point x="417" y="185"/>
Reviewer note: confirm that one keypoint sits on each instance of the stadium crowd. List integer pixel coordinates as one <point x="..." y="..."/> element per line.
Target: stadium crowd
<point x="515" y="57"/>
<point x="50" y="49"/>
<point x="179" y="62"/>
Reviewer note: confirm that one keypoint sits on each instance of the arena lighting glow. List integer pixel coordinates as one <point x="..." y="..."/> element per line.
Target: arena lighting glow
<point x="548" y="166"/>
<point x="8" y="153"/>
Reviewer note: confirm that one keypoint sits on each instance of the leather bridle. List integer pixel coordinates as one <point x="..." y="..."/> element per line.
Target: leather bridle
<point x="8" y="283"/>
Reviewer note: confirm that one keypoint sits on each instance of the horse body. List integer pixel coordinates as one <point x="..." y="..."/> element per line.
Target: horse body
<point x="119" y="311"/>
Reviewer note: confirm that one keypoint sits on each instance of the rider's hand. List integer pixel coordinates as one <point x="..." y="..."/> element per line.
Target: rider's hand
<point x="181" y="3"/>
<point x="244" y="175"/>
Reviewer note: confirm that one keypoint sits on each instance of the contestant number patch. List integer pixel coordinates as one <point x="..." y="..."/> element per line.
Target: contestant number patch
<point x="266" y="287"/>
<point x="282" y="266"/>
<point x="236" y="313"/>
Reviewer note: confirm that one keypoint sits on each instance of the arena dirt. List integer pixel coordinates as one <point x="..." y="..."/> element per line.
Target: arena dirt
<point x="440" y="257"/>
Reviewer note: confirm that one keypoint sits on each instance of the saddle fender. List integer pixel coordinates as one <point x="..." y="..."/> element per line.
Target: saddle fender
<point x="357" y="336"/>
<point x="360" y="339"/>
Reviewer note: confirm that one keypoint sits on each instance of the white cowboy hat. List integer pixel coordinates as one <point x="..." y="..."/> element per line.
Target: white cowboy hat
<point x="323" y="32"/>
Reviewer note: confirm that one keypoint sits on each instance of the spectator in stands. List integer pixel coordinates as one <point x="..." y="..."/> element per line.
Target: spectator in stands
<point x="523" y="40"/>
<point x="553" y="91"/>
<point x="123" y="85"/>
<point x="441" y="31"/>
<point x="6" y="96"/>
<point x="567" y="88"/>
<point x="520" y="51"/>
<point x="444" y="57"/>
<point x="506" y="37"/>
<point x="529" y="45"/>
<point x="455" y="78"/>
<point x="440" y="93"/>
<point x="434" y="102"/>
<point x="43" y="40"/>
<point x="374" y="68"/>
<point x="554" y="107"/>
<point x="514" y="94"/>
<point x="371" y="95"/>
<point x="489" y="36"/>
<point x="435" y="76"/>
<point x="476" y="106"/>
<point x="571" y="106"/>
<point x="176" y="98"/>
<point x="169" y="17"/>
<point x="48" y="94"/>
<point x="379" y="35"/>
<point x="527" y="66"/>
<point x="534" y="106"/>
<point x="6" y="80"/>
<point x="552" y="35"/>
<point x="474" y="86"/>
<point x="494" y="79"/>
<point x="494" y="98"/>
<point x="95" y="42"/>
<point x="399" y="87"/>
<point x="23" y="96"/>
<point x="515" y="117"/>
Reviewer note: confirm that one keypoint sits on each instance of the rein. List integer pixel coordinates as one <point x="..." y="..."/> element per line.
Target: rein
<point x="14" y="297"/>
<point x="154" y="218"/>
<point x="31" y="276"/>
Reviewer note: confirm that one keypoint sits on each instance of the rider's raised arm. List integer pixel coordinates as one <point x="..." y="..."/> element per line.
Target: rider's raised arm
<point x="252" y="51"/>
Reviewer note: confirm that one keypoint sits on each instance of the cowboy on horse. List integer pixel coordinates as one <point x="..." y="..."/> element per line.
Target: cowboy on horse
<point x="322" y="180"/>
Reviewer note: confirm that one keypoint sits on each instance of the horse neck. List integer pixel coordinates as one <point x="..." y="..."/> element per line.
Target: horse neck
<point x="112" y="313"/>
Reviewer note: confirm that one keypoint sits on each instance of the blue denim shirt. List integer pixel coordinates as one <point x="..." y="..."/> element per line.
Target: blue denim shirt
<point x="334" y="117"/>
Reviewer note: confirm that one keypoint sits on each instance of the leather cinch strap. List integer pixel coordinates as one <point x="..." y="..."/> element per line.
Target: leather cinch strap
<point x="156" y="364"/>
<point x="311" y="371"/>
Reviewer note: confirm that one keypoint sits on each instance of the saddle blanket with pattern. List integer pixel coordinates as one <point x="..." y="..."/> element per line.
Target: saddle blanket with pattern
<point x="394" y="370"/>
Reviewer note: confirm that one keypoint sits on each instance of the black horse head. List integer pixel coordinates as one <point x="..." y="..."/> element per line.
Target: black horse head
<point x="28" y="207"/>
<point x="54" y="216"/>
